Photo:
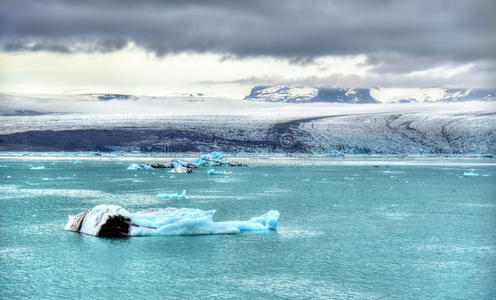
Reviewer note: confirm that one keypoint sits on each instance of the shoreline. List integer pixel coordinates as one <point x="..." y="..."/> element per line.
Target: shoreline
<point x="271" y="159"/>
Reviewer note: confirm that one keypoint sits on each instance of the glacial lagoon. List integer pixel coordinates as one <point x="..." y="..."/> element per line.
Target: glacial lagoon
<point x="359" y="231"/>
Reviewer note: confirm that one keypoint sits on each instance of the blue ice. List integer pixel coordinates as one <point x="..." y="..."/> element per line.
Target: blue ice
<point x="168" y="221"/>
<point x="172" y="195"/>
<point x="212" y="160"/>
<point x="213" y="172"/>
<point x="189" y="221"/>
<point x="139" y="167"/>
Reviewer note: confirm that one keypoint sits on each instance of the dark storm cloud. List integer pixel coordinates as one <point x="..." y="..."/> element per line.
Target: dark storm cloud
<point x="451" y="30"/>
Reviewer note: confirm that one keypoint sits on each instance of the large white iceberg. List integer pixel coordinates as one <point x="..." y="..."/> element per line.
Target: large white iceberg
<point x="112" y="220"/>
<point x="101" y="220"/>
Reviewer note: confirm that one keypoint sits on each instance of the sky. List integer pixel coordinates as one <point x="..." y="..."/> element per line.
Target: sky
<point x="224" y="48"/>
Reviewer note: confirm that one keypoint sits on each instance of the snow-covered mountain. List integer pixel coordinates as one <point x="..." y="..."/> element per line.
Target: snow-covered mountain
<point x="366" y="95"/>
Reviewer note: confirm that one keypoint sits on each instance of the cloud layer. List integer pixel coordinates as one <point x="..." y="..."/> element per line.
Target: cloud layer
<point x="397" y="37"/>
<point x="461" y="30"/>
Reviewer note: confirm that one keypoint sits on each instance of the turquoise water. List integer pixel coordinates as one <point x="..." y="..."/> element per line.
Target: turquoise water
<point x="359" y="232"/>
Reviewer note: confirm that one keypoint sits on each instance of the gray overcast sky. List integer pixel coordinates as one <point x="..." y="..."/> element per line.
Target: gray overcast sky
<point x="308" y="42"/>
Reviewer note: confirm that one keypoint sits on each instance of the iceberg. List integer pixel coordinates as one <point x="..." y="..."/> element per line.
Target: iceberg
<point x="156" y="165"/>
<point x="215" y="159"/>
<point x="172" y="196"/>
<point x="179" y="163"/>
<point x="149" y="166"/>
<point x="139" y="167"/>
<point x="101" y="220"/>
<point x="213" y="172"/>
<point x="181" y="169"/>
<point x="113" y="220"/>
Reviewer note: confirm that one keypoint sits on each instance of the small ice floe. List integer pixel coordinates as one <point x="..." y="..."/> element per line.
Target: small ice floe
<point x="115" y="221"/>
<point x="139" y="167"/>
<point x="157" y="165"/>
<point x="215" y="159"/>
<point x="470" y="174"/>
<point x="38" y="168"/>
<point x="172" y="196"/>
<point x="180" y="169"/>
<point x="76" y="162"/>
<point x="179" y="163"/>
<point x="213" y="172"/>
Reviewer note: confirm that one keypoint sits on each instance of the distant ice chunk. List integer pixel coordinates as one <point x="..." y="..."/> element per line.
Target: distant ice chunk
<point x="139" y="167"/>
<point x="77" y="162"/>
<point x="470" y="174"/>
<point x="181" y="169"/>
<point x="213" y="172"/>
<point x="172" y="195"/>
<point x="215" y="159"/>
<point x="38" y="168"/>
<point x="179" y="163"/>
<point x="112" y="220"/>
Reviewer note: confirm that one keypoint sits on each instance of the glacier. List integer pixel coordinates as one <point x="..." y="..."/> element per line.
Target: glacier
<point x="218" y="125"/>
<point x="115" y="221"/>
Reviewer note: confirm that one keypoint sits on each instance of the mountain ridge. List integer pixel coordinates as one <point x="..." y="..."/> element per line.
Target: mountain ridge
<point x="300" y="94"/>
